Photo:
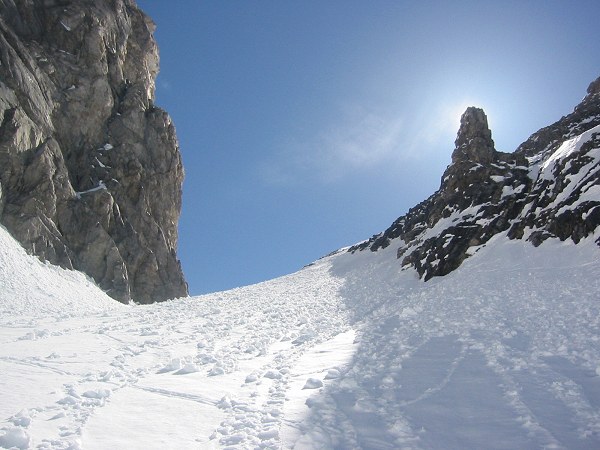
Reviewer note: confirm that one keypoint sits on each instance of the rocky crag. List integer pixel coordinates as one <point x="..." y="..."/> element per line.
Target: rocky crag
<point x="548" y="188"/>
<point x="90" y="169"/>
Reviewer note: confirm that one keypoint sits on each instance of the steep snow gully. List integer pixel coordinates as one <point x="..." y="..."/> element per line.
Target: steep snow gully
<point x="350" y="352"/>
<point x="354" y="351"/>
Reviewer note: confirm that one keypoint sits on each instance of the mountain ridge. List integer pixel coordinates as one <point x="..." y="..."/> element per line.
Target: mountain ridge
<point x="484" y="192"/>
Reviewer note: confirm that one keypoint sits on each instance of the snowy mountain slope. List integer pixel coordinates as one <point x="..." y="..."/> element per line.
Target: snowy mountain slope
<point x="502" y="353"/>
<point x="548" y="188"/>
<point x="351" y="352"/>
<point x="32" y="287"/>
<point x="93" y="378"/>
<point x="355" y="351"/>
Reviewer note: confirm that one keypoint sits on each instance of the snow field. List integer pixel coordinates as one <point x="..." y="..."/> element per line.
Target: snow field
<point x="32" y="287"/>
<point x="351" y="352"/>
<point x="209" y="371"/>
<point x="501" y="353"/>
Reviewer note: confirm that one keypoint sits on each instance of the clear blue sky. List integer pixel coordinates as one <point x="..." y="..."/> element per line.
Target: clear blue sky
<point x="306" y="126"/>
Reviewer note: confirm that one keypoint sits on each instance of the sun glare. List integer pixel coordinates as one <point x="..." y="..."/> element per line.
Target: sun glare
<point x="456" y="112"/>
<point x="449" y="115"/>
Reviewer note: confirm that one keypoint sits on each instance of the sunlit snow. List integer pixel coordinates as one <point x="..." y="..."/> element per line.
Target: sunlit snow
<point x="350" y="352"/>
<point x="567" y="148"/>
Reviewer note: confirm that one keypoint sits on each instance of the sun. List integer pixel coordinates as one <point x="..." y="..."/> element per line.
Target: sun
<point x="456" y="111"/>
<point x="449" y="114"/>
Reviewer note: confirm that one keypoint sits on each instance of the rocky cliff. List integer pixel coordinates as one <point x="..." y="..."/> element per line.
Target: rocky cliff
<point x="90" y="169"/>
<point x="548" y="188"/>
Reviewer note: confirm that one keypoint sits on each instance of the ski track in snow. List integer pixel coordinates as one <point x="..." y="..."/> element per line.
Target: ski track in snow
<point x="349" y="353"/>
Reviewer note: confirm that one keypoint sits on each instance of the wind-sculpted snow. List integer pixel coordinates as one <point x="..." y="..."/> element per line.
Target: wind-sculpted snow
<point x="351" y="352"/>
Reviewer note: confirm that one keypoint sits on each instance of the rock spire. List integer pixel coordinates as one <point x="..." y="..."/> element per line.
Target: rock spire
<point x="548" y="188"/>
<point x="474" y="139"/>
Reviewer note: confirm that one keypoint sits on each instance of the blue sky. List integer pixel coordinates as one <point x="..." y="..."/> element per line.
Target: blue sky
<point x="306" y="126"/>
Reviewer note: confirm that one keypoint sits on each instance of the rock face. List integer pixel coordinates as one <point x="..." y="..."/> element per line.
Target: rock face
<point x="90" y="169"/>
<point x="548" y="188"/>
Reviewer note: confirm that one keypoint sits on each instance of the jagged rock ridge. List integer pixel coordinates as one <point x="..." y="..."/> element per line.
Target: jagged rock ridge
<point x="90" y="169"/>
<point x="548" y="188"/>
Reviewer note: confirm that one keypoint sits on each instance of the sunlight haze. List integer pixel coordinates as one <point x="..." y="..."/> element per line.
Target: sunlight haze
<point x="308" y="126"/>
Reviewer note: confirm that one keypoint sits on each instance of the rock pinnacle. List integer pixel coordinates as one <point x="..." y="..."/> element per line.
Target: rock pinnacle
<point x="474" y="139"/>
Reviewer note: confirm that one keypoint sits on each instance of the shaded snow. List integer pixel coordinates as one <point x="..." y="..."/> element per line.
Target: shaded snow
<point x="350" y="352"/>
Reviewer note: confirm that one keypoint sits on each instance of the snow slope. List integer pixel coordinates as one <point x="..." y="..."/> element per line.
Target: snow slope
<point x="350" y="352"/>
<point x="31" y="287"/>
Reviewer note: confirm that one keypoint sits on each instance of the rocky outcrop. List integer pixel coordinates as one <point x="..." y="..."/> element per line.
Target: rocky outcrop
<point x="548" y="188"/>
<point x="90" y="169"/>
<point x="564" y="202"/>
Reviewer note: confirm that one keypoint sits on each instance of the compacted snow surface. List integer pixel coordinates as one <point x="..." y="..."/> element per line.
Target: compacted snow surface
<point x="350" y="352"/>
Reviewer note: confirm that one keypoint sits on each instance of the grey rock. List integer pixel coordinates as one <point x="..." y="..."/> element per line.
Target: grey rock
<point x="474" y="140"/>
<point x="90" y="168"/>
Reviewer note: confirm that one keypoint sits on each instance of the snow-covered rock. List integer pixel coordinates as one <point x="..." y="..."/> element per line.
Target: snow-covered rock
<point x="548" y="188"/>
<point x="313" y="383"/>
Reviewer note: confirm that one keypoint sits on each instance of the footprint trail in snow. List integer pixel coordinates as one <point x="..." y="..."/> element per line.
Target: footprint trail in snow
<point x="350" y="352"/>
